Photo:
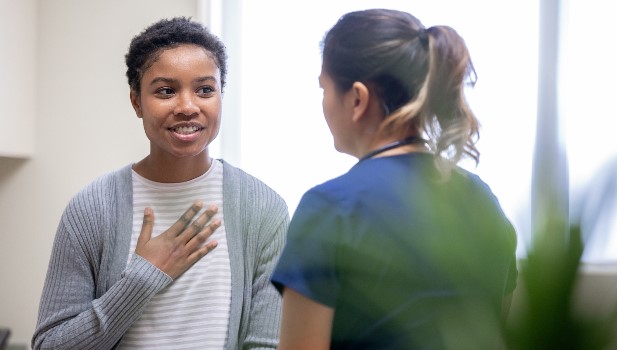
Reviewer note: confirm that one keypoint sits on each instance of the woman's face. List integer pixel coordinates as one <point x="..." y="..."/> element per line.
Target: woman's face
<point x="337" y="115"/>
<point x="180" y="102"/>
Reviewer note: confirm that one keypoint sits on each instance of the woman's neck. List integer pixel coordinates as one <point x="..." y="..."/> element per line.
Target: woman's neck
<point x="173" y="170"/>
<point x="390" y="147"/>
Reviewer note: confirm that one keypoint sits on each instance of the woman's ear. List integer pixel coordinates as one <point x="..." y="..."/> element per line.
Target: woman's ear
<point x="361" y="100"/>
<point x="135" y="102"/>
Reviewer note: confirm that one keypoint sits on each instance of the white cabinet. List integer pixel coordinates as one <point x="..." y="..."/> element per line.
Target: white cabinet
<point x="18" y="88"/>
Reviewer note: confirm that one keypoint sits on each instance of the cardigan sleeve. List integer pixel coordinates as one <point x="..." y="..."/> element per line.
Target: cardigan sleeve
<point x="264" y="220"/>
<point x="263" y="327"/>
<point x="70" y="317"/>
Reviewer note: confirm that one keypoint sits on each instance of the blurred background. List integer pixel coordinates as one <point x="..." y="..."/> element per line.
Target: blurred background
<point x="546" y="97"/>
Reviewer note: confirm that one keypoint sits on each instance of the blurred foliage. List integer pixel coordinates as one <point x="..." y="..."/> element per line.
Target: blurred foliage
<point x="547" y="317"/>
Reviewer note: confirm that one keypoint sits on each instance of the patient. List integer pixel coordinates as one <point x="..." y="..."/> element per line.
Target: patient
<point x="177" y="248"/>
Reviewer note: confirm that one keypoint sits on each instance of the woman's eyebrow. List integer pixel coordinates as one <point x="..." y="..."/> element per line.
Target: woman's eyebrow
<point x="206" y="78"/>
<point x="172" y="80"/>
<point x="162" y="79"/>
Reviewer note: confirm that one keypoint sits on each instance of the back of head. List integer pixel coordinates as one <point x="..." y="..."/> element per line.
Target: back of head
<point x="170" y="33"/>
<point x="418" y="74"/>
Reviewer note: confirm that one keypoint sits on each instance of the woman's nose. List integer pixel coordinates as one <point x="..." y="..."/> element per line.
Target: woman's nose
<point x="186" y="104"/>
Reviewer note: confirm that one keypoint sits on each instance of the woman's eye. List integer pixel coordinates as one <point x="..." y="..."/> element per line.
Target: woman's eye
<point x="165" y="91"/>
<point x="205" y="90"/>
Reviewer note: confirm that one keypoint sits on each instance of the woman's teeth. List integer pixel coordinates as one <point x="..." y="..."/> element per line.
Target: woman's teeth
<point x="185" y="130"/>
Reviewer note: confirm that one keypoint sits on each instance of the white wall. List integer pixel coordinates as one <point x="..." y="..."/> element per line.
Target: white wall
<point x="85" y="126"/>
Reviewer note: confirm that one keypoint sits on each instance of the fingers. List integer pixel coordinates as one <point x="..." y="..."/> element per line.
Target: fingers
<point x="147" y="227"/>
<point x="202" y="226"/>
<point x="200" y="253"/>
<point x="196" y="235"/>
<point x="181" y="224"/>
<point x="199" y="244"/>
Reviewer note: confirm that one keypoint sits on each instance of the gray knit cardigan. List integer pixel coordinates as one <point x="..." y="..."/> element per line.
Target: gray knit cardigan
<point x="91" y="296"/>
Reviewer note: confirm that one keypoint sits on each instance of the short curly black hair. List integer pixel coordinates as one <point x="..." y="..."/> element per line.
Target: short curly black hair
<point x="169" y="33"/>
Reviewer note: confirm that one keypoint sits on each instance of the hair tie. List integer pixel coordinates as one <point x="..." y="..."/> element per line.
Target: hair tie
<point x="422" y="34"/>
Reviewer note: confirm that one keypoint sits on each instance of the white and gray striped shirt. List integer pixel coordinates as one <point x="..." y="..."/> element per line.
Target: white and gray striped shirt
<point x="193" y="311"/>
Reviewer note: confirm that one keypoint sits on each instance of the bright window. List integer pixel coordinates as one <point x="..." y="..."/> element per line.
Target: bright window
<point x="273" y="122"/>
<point x="588" y="95"/>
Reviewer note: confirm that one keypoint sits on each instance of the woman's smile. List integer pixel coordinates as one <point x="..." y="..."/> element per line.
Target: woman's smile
<point x="186" y="132"/>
